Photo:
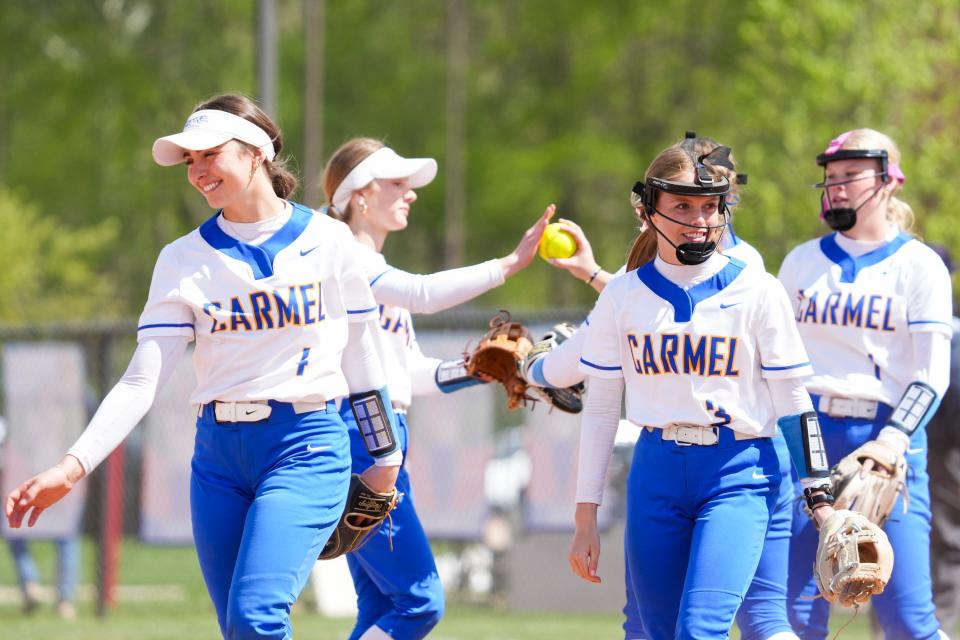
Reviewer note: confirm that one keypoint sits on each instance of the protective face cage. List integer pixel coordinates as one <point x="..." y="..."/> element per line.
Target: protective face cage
<point x="844" y="218"/>
<point x="645" y="194"/>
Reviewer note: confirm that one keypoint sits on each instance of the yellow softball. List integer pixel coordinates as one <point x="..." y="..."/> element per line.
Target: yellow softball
<point x="556" y="242"/>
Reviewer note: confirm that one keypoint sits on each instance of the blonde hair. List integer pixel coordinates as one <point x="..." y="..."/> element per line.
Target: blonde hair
<point x="341" y="163"/>
<point x="898" y="211"/>
<point x="672" y="163"/>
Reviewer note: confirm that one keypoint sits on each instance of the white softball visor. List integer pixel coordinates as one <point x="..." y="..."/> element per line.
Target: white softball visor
<point x="384" y="164"/>
<point x="206" y="129"/>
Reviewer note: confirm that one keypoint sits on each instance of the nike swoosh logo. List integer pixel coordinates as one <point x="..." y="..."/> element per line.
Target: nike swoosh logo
<point x="303" y="253"/>
<point x="250" y="412"/>
<point x="317" y="447"/>
<point x="759" y="476"/>
<point x="913" y="451"/>
<point x="727" y="306"/>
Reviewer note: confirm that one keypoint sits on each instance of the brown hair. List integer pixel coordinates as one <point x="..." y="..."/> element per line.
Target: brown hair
<point x="283" y="180"/>
<point x="341" y="163"/>
<point x="898" y="211"/>
<point x="670" y="164"/>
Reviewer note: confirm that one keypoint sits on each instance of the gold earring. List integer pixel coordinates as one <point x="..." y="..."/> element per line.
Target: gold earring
<point x="363" y="208"/>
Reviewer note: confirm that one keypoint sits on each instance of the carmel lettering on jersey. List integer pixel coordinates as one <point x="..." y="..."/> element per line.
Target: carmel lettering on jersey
<point x="393" y="320"/>
<point x="296" y="305"/>
<point x="846" y="309"/>
<point x="683" y="353"/>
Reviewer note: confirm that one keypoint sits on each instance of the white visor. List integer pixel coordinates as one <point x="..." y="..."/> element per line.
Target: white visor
<point x="206" y="129"/>
<point x="385" y="164"/>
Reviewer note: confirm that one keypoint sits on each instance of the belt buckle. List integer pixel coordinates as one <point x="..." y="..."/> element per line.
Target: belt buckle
<point x="689" y="434"/>
<point x="225" y="411"/>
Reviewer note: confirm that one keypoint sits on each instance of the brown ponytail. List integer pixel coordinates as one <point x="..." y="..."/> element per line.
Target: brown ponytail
<point x="341" y="163"/>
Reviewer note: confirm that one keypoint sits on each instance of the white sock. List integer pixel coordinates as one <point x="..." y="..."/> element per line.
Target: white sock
<point x="375" y="633"/>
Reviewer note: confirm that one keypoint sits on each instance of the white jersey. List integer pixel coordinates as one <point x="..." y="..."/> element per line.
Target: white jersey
<point x="397" y="343"/>
<point x="856" y="315"/>
<point x="269" y="320"/>
<point x="697" y="355"/>
<point x="733" y="247"/>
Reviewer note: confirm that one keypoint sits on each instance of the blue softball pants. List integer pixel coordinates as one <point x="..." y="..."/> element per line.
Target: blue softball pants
<point x="697" y="517"/>
<point x="764" y="609"/>
<point x="905" y="609"/>
<point x="398" y="590"/>
<point x="264" y="497"/>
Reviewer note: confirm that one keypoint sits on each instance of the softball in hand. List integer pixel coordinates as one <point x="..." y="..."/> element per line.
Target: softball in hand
<point x="556" y="242"/>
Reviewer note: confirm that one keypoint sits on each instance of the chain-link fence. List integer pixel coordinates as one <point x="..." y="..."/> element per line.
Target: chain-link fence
<point x="494" y="489"/>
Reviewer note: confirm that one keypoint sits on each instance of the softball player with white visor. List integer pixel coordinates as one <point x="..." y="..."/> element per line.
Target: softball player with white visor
<point x="874" y="307"/>
<point x="712" y="363"/>
<point x="372" y="188"/>
<point x="283" y="320"/>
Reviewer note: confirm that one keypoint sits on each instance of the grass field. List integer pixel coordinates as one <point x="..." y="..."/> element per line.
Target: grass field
<point x="163" y="597"/>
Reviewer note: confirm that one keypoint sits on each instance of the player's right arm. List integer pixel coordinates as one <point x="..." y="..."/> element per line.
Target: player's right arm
<point x="445" y="289"/>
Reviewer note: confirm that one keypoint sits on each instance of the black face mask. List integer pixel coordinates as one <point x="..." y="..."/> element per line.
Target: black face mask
<point x="705" y="184"/>
<point x="843" y="218"/>
<point x="692" y="253"/>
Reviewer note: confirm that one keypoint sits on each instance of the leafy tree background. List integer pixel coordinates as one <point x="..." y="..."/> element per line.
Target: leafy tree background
<point x="567" y="102"/>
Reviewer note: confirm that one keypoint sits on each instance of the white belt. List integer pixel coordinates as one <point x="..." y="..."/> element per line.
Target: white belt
<point x="688" y="434"/>
<point x="838" y="407"/>
<point x="256" y="410"/>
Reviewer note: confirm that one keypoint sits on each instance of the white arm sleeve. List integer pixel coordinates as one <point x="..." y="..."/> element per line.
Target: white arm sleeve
<point x="360" y="362"/>
<point x="436" y="291"/>
<point x="363" y="371"/>
<point x="150" y="367"/>
<point x="423" y="372"/>
<point x="598" y="430"/>
<point x="561" y="367"/>
<point x="931" y="358"/>
<point x="789" y="396"/>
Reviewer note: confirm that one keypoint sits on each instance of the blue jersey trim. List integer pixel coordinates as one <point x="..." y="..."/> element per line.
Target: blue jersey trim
<point x="850" y="267"/>
<point x="734" y="238"/>
<point x="374" y="281"/>
<point x="949" y="324"/>
<point x="357" y="311"/>
<point x="537" y="373"/>
<point x="156" y="326"/>
<point x="684" y="301"/>
<point x="259" y="257"/>
<point x="600" y="367"/>
<point x="789" y="366"/>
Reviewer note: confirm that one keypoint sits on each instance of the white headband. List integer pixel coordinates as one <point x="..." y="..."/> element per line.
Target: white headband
<point x="206" y="129"/>
<point x="384" y="163"/>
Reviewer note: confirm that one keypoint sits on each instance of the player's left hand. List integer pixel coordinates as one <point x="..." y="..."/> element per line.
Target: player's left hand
<point x="527" y="249"/>
<point x="821" y="513"/>
<point x="581" y="264"/>
<point x="584" y="554"/>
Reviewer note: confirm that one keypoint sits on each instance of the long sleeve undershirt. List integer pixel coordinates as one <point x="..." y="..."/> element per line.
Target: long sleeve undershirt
<point x="436" y="292"/>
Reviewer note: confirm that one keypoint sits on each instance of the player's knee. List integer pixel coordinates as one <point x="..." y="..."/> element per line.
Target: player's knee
<point x="422" y="610"/>
<point x="256" y="612"/>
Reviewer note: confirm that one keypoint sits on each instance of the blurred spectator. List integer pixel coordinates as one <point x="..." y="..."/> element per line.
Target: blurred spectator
<point x="943" y="463"/>
<point x="68" y="561"/>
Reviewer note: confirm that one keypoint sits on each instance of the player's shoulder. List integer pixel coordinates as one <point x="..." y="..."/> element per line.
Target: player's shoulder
<point x="805" y="249"/>
<point x="745" y="253"/>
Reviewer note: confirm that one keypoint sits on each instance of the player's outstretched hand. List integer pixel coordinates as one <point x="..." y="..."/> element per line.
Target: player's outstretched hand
<point x="585" y="550"/>
<point x="42" y="490"/>
<point x="527" y="248"/>
<point x="581" y="264"/>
